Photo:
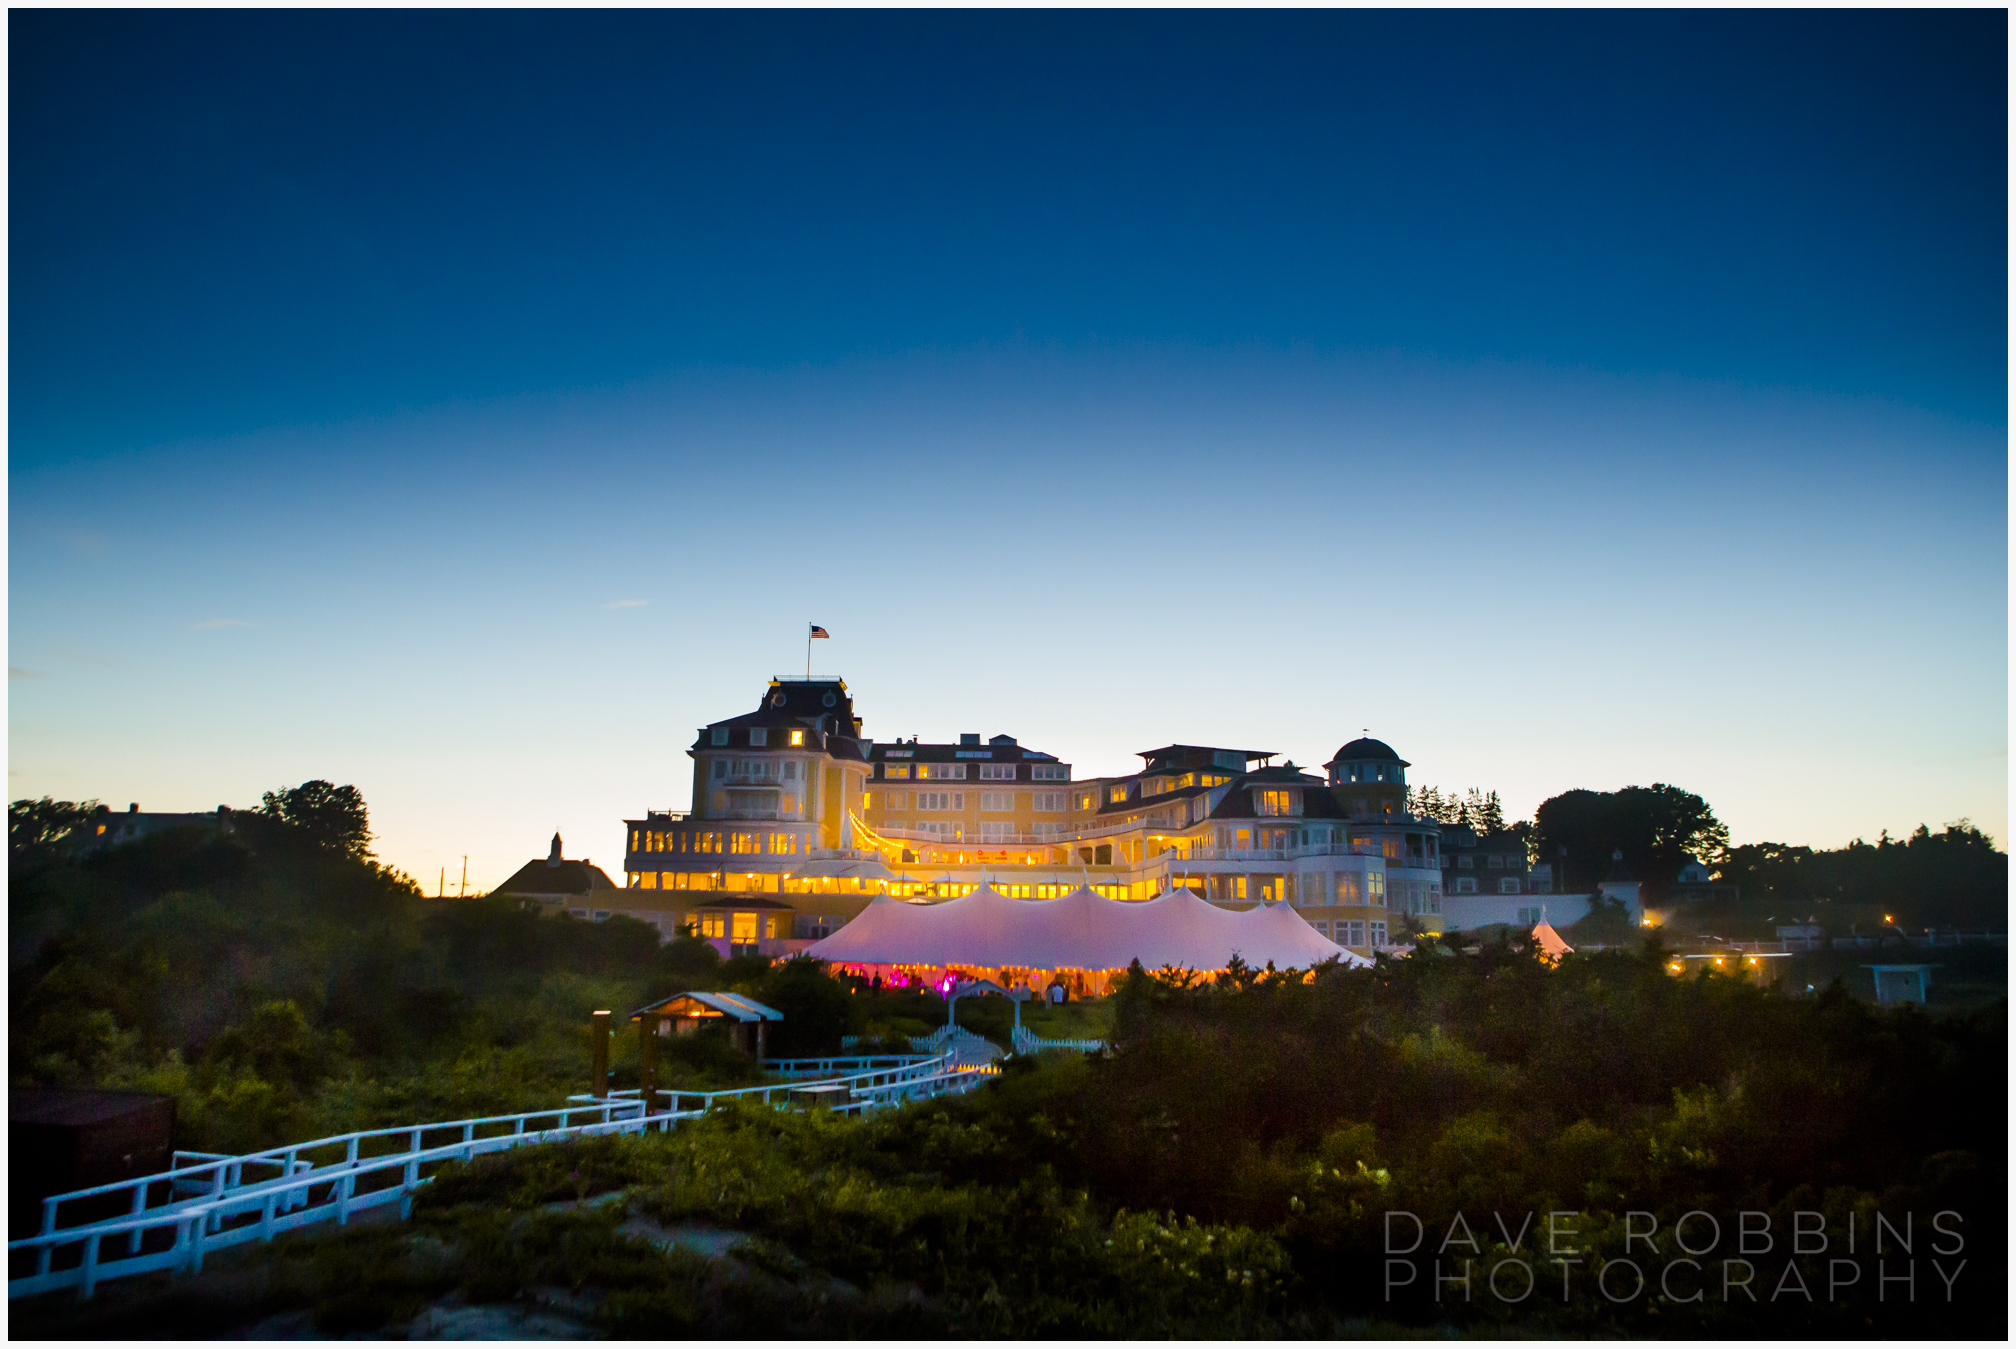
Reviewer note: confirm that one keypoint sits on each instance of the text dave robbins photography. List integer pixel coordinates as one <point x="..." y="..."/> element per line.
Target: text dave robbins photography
<point x="1008" y="674"/>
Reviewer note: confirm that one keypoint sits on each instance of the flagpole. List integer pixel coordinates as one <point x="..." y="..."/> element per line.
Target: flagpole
<point x="808" y="651"/>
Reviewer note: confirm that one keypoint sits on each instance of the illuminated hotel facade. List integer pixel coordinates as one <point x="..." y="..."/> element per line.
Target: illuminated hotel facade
<point x="797" y="821"/>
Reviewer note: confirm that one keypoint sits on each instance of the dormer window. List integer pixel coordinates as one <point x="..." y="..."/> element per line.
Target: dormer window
<point x="797" y="737"/>
<point x="720" y="735"/>
<point x="758" y="737"/>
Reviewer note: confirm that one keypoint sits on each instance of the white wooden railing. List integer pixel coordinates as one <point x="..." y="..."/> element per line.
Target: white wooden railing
<point x="210" y="1201"/>
<point x="1027" y="1041"/>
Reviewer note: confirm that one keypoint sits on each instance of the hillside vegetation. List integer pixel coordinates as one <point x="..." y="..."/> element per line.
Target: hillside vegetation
<point x="1229" y="1168"/>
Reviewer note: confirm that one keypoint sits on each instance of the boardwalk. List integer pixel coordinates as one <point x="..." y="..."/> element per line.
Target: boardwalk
<point x="169" y="1221"/>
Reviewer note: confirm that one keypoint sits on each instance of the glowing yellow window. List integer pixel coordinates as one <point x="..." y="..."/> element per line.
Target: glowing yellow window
<point x="797" y="737"/>
<point x="745" y="928"/>
<point x="713" y="925"/>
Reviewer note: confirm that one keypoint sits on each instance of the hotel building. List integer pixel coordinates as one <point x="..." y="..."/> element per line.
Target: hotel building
<point x="798" y="821"/>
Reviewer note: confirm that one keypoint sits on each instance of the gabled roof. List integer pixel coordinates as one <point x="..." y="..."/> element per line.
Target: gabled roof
<point x="732" y="1005"/>
<point x="540" y="877"/>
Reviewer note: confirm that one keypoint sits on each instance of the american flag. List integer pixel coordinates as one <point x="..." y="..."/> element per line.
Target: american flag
<point x="817" y="631"/>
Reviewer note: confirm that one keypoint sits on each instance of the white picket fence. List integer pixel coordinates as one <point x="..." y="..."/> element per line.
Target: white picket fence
<point x="175" y="1217"/>
<point x="1029" y="1042"/>
<point x="966" y="1048"/>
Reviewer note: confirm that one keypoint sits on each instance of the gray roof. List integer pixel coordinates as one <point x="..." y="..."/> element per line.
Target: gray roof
<point x="540" y="877"/>
<point x="727" y="1004"/>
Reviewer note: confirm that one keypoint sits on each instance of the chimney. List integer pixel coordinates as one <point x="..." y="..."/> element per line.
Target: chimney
<point x="969" y="738"/>
<point x="133" y="809"/>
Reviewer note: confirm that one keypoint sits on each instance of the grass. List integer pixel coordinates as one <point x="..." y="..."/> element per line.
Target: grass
<point x="1087" y="1019"/>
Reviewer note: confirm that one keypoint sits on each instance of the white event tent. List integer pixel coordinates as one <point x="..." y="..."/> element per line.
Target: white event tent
<point x="1082" y="938"/>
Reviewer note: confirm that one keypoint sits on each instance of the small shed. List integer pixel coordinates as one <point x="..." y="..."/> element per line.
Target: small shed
<point x="60" y="1139"/>
<point x="1900" y="983"/>
<point x="684" y="1013"/>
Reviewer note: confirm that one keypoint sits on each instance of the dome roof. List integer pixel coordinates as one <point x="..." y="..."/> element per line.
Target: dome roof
<point x="1366" y="748"/>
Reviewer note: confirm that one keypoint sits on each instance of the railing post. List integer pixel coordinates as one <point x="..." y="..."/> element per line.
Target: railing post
<point x="343" y="1189"/>
<point x="139" y="1207"/>
<point x="468" y="1138"/>
<point x="196" y="1232"/>
<point x="88" y="1283"/>
<point x="599" y="1038"/>
<point x="266" y="1216"/>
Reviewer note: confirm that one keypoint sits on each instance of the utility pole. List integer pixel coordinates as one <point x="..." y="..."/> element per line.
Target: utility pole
<point x="463" y="891"/>
<point x="441" y="887"/>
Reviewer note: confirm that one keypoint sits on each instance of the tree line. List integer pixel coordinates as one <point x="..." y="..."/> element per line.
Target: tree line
<point x="1953" y="878"/>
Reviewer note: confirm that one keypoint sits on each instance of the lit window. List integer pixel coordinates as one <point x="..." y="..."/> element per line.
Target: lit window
<point x="1375" y="889"/>
<point x="797" y="737"/>
<point x="1277" y="803"/>
<point x="896" y="770"/>
<point x="1115" y="794"/>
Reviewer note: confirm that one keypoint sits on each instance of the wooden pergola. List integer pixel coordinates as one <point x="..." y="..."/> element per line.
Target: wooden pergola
<point x="681" y="1014"/>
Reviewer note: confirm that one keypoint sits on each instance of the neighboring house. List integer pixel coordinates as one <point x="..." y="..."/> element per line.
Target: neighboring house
<point x="103" y="829"/>
<point x="1468" y="911"/>
<point x="1695" y="885"/>
<point x="580" y="887"/>
<point x="1621" y="886"/>
<point x="1494" y="864"/>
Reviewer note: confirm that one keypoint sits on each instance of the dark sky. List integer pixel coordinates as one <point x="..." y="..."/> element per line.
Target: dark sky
<point x="466" y="405"/>
<point x="233" y="219"/>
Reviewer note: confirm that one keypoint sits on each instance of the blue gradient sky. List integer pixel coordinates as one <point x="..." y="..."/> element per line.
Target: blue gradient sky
<point x="1574" y="400"/>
